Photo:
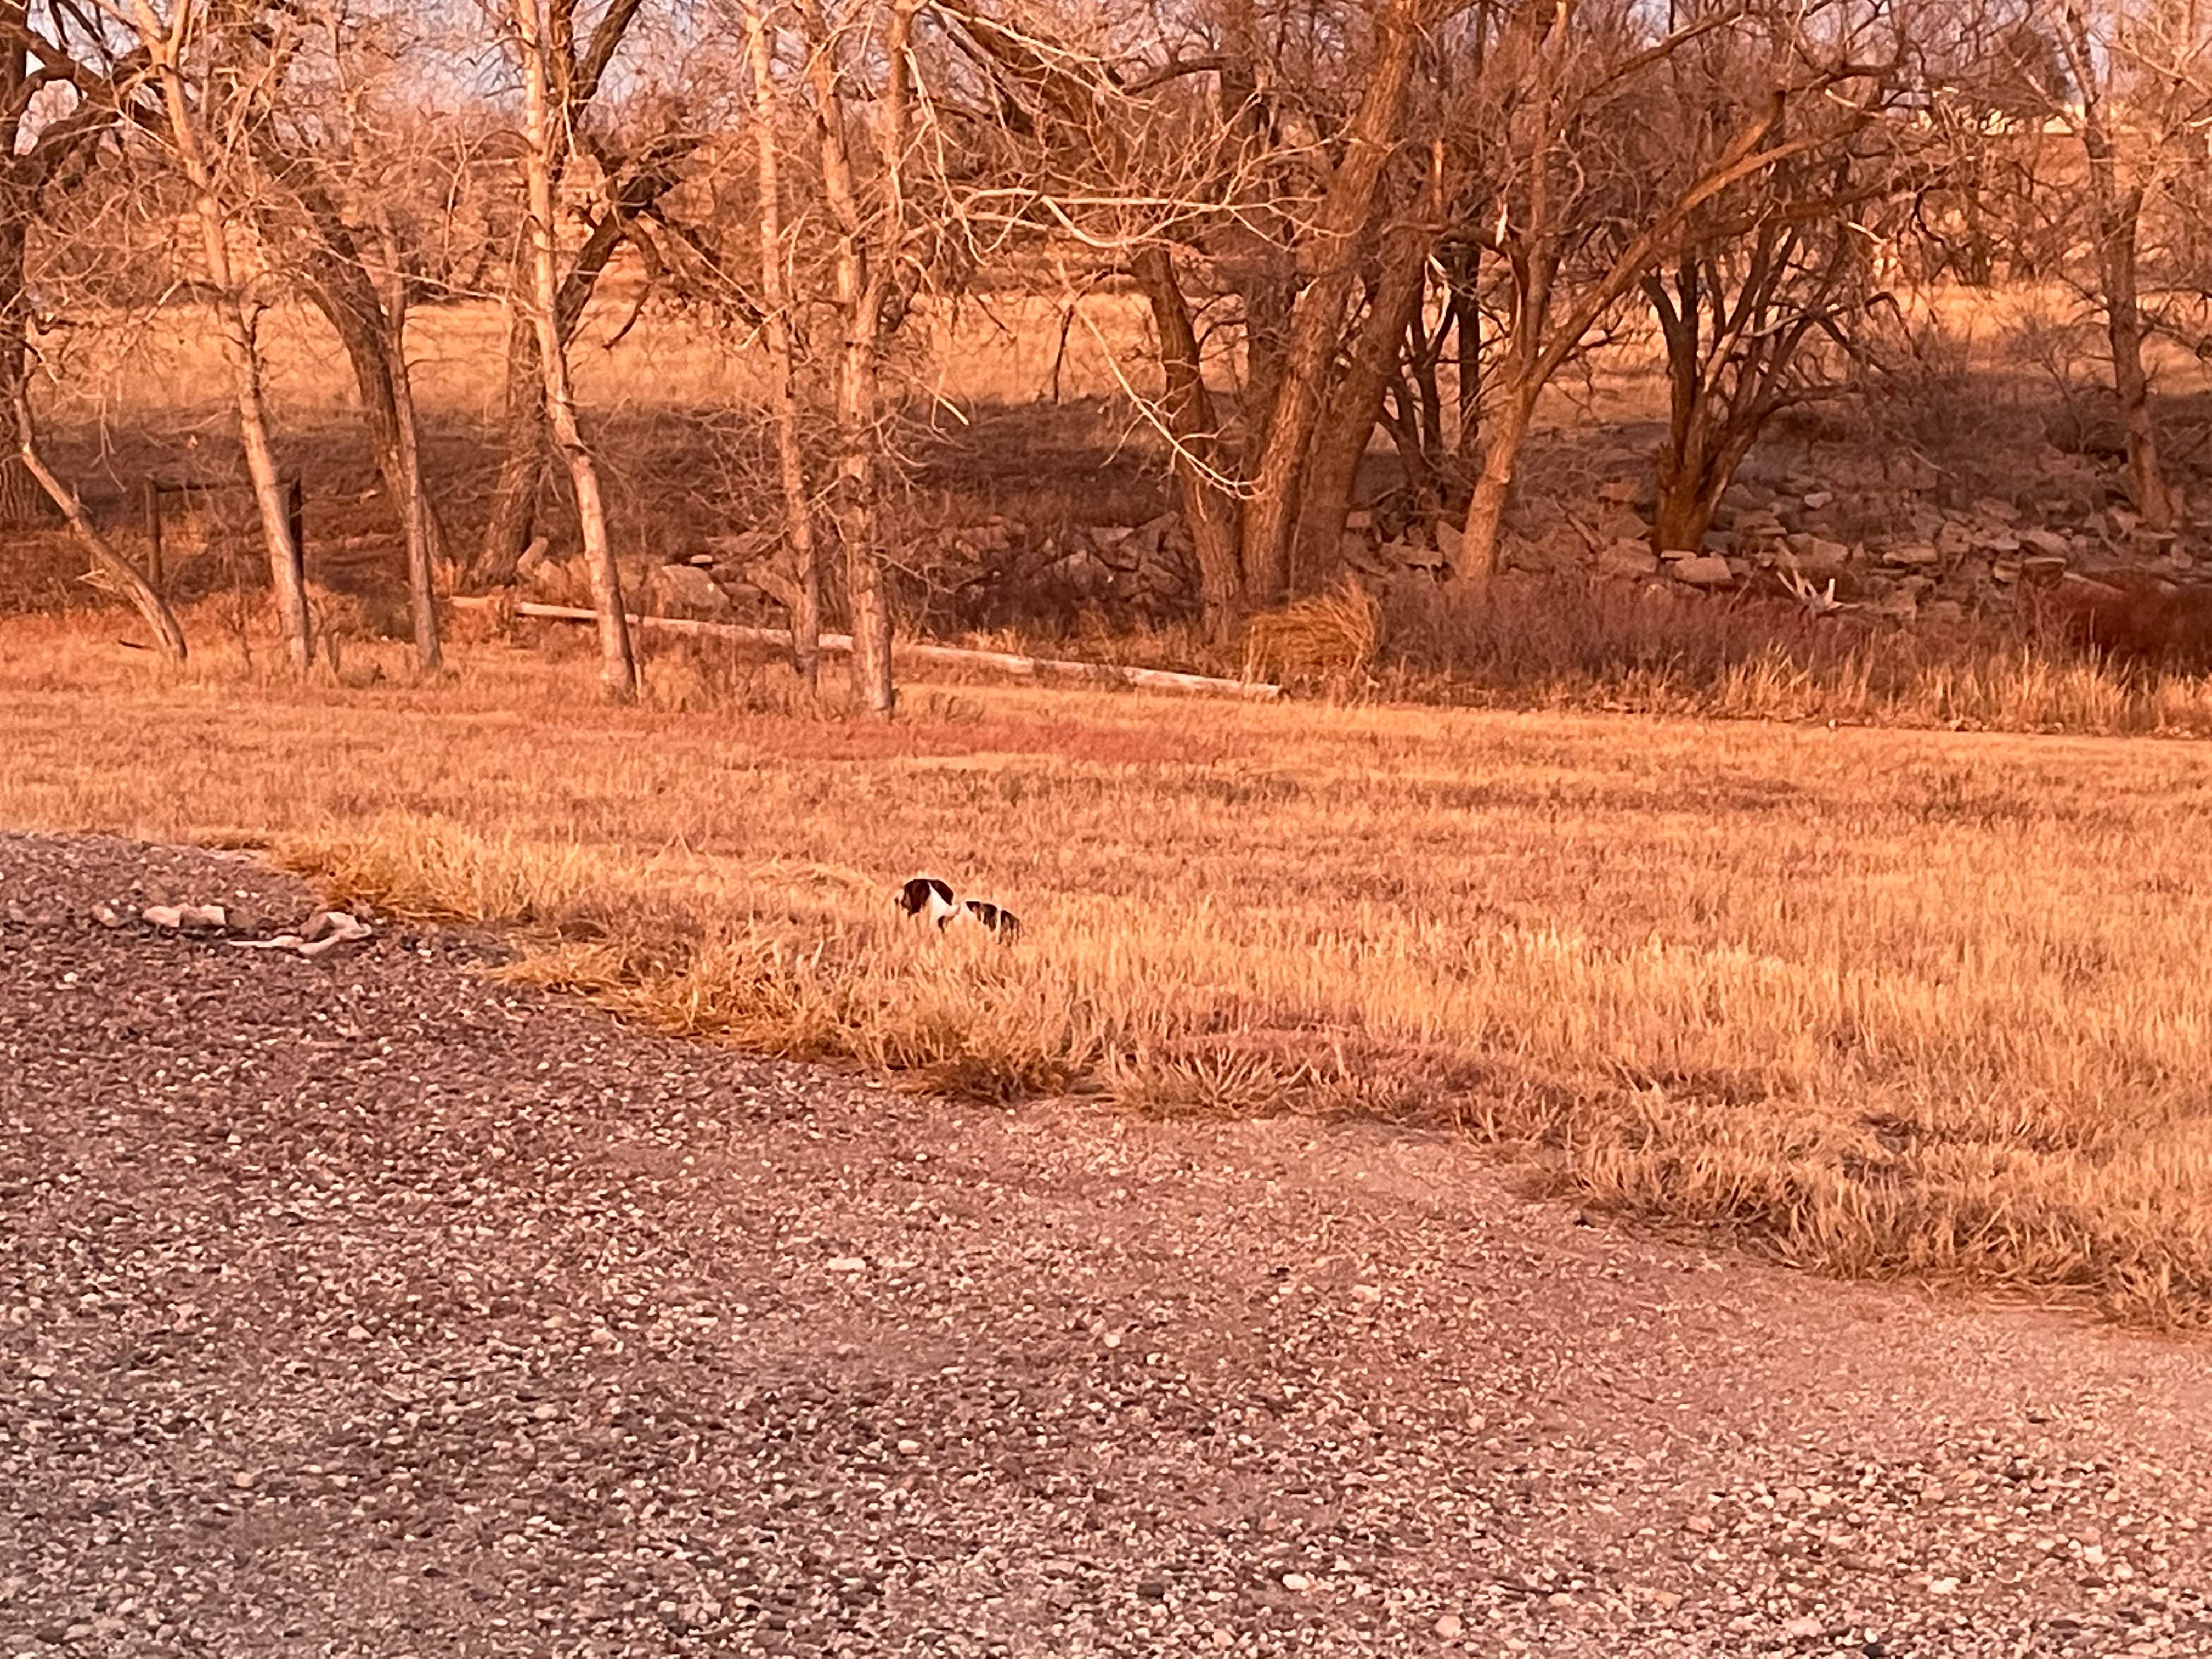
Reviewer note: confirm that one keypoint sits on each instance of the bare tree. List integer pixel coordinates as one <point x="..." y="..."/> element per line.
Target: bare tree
<point x="201" y="149"/>
<point x="1756" y="305"/>
<point x="334" y="167"/>
<point x="1562" y="91"/>
<point x="545" y="146"/>
<point x="2118" y="187"/>
<point x="871" y="237"/>
<point x="110" y="566"/>
<point x="635" y="176"/>
<point x="805" y="592"/>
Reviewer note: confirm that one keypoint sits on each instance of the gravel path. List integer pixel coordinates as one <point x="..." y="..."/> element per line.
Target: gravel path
<point x="359" y="1307"/>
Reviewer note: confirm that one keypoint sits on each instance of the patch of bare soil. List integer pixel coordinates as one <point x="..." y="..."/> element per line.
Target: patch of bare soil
<point x="360" y="1307"/>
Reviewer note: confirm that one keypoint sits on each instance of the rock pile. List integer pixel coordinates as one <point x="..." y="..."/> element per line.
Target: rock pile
<point x="1873" y="528"/>
<point x="1890" y="551"/>
<point x="970" y="571"/>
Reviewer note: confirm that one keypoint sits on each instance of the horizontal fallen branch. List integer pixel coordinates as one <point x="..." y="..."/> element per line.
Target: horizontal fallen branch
<point x="1006" y="662"/>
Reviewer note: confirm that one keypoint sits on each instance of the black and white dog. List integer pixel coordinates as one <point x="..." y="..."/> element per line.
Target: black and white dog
<point x="926" y="896"/>
<point x="995" y="918"/>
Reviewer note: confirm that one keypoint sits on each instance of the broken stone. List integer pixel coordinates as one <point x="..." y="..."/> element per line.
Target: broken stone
<point x="1818" y="557"/>
<point x="686" y="587"/>
<point x="2044" y="569"/>
<point x="2047" y="543"/>
<point x="1702" y="570"/>
<point x="1912" y="554"/>
<point x="1627" y="559"/>
<point x="189" y="918"/>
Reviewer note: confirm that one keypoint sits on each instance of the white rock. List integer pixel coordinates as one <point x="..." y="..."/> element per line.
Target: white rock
<point x="1297" y="1580"/>
<point x="847" y="1264"/>
<point x="1449" y="1625"/>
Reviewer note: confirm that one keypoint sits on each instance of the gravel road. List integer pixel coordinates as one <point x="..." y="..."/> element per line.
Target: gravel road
<point x="363" y="1307"/>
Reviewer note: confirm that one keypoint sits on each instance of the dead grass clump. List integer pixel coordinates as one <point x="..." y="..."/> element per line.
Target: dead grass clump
<point x="1326" y="640"/>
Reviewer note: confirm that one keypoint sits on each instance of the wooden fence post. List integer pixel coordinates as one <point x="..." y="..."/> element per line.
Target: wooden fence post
<point x="152" y="494"/>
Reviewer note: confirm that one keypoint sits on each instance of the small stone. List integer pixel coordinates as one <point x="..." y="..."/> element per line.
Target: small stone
<point x="1818" y="499"/>
<point x="107" y="915"/>
<point x="1942" y="1587"/>
<point x="1297" y="1580"/>
<point x="1702" y="571"/>
<point x="243" y="1479"/>
<point x="358" y="1333"/>
<point x="909" y="1448"/>
<point x="1697" y="1523"/>
<point x="1804" y="1625"/>
<point x="1366" y="1292"/>
<point x="1449" y="1626"/>
<point x="847" y="1264"/>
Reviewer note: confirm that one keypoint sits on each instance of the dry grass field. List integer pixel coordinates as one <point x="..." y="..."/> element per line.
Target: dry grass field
<point x="1879" y="1002"/>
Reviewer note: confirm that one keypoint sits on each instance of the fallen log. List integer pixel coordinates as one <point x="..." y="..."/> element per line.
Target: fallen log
<point x="1006" y="662"/>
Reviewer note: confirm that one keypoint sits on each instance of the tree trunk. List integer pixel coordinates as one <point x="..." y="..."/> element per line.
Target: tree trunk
<point x="783" y="393"/>
<point x="1339" y="443"/>
<point x="373" y="328"/>
<point x="2119" y="217"/>
<point x="863" y="274"/>
<point x="425" y="536"/>
<point x="161" y="621"/>
<point x="1317" y="323"/>
<point x="242" y="351"/>
<point x="1503" y="433"/>
<point x="513" y="511"/>
<point x="1210" y="509"/>
<point x="521" y="476"/>
<point x="618" y="674"/>
<point x="1465" y="272"/>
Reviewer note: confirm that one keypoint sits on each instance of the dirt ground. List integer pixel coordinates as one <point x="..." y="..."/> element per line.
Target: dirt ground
<point x="365" y="1307"/>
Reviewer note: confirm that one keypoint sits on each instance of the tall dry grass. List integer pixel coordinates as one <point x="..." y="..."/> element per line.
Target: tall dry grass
<point x="1884" y="1002"/>
<point x="1564" y="645"/>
